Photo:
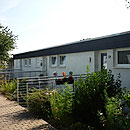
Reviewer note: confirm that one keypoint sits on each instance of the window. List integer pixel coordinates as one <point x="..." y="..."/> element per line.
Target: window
<point x="38" y="62"/>
<point x="25" y="62"/>
<point x="62" y="60"/>
<point x="124" y="57"/>
<point x="53" y="61"/>
<point x="29" y="60"/>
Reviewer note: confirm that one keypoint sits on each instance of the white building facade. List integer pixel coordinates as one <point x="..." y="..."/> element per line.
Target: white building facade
<point x="112" y="52"/>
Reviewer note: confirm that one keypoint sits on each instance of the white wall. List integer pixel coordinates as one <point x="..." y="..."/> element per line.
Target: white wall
<point x="112" y="58"/>
<point x="28" y="69"/>
<point x="75" y="62"/>
<point x="33" y="66"/>
<point x="124" y="70"/>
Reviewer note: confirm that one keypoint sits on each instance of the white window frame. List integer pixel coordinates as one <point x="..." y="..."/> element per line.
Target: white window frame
<point x="121" y="65"/>
<point x="25" y="62"/>
<point x="53" y="65"/>
<point x="29" y="62"/>
<point x="64" y="63"/>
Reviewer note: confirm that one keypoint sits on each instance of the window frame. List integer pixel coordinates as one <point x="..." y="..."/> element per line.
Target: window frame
<point x="53" y="65"/>
<point x="29" y="61"/>
<point x="25" y="62"/>
<point x="117" y="57"/>
<point x="64" y="63"/>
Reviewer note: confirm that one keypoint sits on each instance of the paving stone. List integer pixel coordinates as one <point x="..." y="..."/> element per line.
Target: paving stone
<point x="15" y="117"/>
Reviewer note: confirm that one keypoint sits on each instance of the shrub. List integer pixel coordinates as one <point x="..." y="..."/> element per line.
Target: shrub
<point x="38" y="103"/>
<point x="80" y="126"/>
<point x="61" y="105"/>
<point x="90" y="96"/>
<point x="126" y="110"/>
<point x="113" y="113"/>
<point x="126" y="98"/>
<point x="116" y="118"/>
<point x="10" y="89"/>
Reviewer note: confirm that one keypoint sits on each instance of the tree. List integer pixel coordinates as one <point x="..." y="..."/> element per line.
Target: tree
<point x="7" y="43"/>
<point x="127" y="4"/>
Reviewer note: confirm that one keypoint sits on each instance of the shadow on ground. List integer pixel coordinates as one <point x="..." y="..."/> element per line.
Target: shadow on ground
<point x="44" y="126"/>
<point x="26" y="115"/>
<point x="23" y="115"/>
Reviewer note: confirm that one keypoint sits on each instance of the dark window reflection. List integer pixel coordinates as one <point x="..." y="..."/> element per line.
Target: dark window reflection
<point x="123" y="57"/>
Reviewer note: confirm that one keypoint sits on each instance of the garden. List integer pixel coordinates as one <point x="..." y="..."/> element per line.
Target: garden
<point x="97" y="102"/>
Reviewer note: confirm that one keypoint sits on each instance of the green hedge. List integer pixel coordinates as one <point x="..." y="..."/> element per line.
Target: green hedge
<point x="97" y="104"/>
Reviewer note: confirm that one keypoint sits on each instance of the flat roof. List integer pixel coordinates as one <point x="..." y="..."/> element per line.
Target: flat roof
<point x="119" y="40"/>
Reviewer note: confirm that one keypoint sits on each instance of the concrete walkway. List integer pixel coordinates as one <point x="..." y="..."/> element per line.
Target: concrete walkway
<point x="15" y="117"/>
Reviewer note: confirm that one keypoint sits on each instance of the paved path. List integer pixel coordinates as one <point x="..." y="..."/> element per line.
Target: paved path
<point x="15" y="117"/>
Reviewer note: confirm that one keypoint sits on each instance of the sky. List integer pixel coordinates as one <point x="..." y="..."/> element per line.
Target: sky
<point x="46" y="23"/>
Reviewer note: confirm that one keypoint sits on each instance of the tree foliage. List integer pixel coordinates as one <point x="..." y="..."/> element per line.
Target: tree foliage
<point x="127" y="4"/>
<point x="7" y="43"/>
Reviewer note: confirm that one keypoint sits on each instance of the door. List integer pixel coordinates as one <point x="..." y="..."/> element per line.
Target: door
<point x="104" y="60"/>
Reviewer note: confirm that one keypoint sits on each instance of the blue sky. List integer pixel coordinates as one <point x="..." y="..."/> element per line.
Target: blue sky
<point x="45" y="23"/>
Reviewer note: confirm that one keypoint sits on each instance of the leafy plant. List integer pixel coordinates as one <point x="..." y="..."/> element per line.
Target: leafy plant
<point x="113" y="113"/>
<point x="90" y="96"/>
<point x="61" y="105"/>
<point x="81" y="126"/>
<point x="9" y="88"/>
<point x="126" y="98"/>
<point x="38" y="103"/>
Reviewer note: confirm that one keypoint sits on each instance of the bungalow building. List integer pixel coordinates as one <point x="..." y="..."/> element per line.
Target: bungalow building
<point x="112" y="52"/>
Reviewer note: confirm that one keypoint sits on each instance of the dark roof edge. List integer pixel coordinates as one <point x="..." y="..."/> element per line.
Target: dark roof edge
<point x="90" y="39"/>
<point x="71" y="43"/>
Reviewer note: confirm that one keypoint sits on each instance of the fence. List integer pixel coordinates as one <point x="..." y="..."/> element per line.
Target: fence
<point x="25" y="85"/>
<point x="9" y="74"/>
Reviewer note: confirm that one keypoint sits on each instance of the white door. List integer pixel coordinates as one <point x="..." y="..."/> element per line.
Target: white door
<point x="104" y="60"/>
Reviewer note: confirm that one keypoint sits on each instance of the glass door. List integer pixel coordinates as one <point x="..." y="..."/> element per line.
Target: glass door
<point x="104" y="60"/>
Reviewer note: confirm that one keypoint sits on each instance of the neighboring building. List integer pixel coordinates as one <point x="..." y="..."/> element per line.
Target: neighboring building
<point x="111" y="51"/>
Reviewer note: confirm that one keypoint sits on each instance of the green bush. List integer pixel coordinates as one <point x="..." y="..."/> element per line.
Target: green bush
<point x="10" y="89"/>
<point x="90" y="96"/>
<point x="80" y="126"/>
<point x="113" y="113"/>
<point x="97" y="103"/>
<point x="38" y="103"/>
<point x="126" y="110"/>
<point x="61" y="105"/>
<point x="116" y="118"/>
<point x="126" y="98"/>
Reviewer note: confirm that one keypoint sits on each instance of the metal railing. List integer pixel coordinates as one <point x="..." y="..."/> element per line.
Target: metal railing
<point x="17" y="73"/>
<point x="26" y="84"/>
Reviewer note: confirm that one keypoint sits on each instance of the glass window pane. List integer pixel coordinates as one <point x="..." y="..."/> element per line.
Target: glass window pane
<point x="25" y="62"/>
<point x="53" y="60"/>
<point x="123" y="57"/>
<point x="29" y="61"/>
<point x="62" y="60"/>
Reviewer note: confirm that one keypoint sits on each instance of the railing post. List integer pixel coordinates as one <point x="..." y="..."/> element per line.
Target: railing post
<point x="18" y="90"/>
<point x="39" y="84"/>
<point x="27" y="93"/>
